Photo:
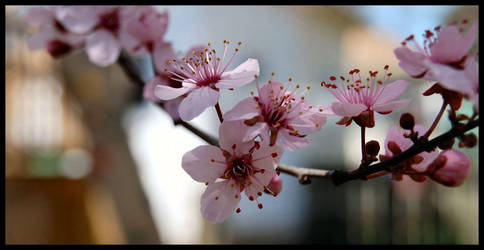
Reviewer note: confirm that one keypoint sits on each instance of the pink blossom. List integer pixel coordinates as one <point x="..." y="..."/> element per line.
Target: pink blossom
<point x="444" y="57"/>
<point x="279" y="116"/>
<point x="144" y="27"/>
<point x="51" y="34"/>
<point x="357" y="101"/>
<point x="451" y="168"/>
<point x="105" y="28"/>
<point x="227" y="171"/>
<point x="162" y="53"/>
<point x="203" y="75"/>
<point x="415" y="167"/>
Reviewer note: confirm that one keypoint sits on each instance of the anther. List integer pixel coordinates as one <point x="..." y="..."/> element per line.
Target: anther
<point x="274" y="155"/>
<point x="260" y="205"/>
<point x="238" y="210"/>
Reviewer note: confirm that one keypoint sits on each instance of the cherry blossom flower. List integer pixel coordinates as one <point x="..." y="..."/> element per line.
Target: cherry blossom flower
<point x="444" y="57"/>
<point x="451" y="168"/>
<point x="415" y="167"/>
<point x="51" y="34"/>
<point x="144" y="27"/>
<point x="357" y="101"/>
<point x="162" y="53"/>
<point x="105" y="28"/>
<point x="279" y="116"/>
<point x="228" y="171"/>
<point x="204" y="74"/>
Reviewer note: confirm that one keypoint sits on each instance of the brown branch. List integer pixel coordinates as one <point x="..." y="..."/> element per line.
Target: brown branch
<point x="303" y="174"/>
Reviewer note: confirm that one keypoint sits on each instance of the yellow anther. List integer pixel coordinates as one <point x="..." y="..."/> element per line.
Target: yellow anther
<point x="208" y="43"/>
<point x="236" y="196"/>
<point x="239" y="43"/>
<point x="302" y="97"/>
<point x="290" y="78"/>
<point x="236" y="49"/>
<point x="174" y="59"/>
<point x="206" y="183"/>
<point x="310" y="106"/>
<point x="317" y="125"/>
<point x="165" y="69"/>
<point x="320" y="110"/>
<point x="308" y="87"/>
<point x="183" y="58"/>
<point x="216" y="197"/>
<point x="255" y="76"/>
<point x="273" y="73"/>
<point x="270" y="83"/>
<point x="257" y="107"/>
<point x="169" y="62"/>
<point x="212" y="160"/>
<point x="251" y="92"/>
<point x="281" y="87"/>
<point x="297" y="86"/>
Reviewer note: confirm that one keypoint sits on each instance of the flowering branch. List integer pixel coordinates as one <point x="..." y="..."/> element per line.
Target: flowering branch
<point x="337" y="176"/>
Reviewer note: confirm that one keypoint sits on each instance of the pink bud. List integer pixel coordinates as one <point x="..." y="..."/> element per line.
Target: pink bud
<point x="451" y="168"/>
<point x="275" y="186"/>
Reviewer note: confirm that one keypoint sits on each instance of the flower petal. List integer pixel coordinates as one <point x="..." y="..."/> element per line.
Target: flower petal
<point x="253" y="131"/>
<point x="240" y="76"/>
<point x="196" y="102"/>
<point x="102" y="48"/>
<point x="218" y="201"/>
<point x="451" y="45"/>
<point x="232" y="133"/>
<point x="40" y="16"/>
<point x="164" y="92"/>
<point x="347" y="109"/>
<point x="411" y="62"/>
<point x="291" y="142"/>
<point x="390" y="106"/>
<point x="245" y="109"/>
<point x="392" y="91"/>
<point x="77" y="19"/>
<point x="162" y="53"/>
<point x="204" y="163"/>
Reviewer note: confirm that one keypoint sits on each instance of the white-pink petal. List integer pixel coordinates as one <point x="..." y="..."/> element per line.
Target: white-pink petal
<point x="253" y="131"/>
<point x="77" y="19"/>
<point x="245" y="109"/>
<point x="392" y="91"/>
<point x="164" y="92"/>
<point x="102" y="48"/>
<point x="233" y="132"/>
<point x="197" y="101"/>
<point x="219" y="201"/>
<point x="390" y="106"/>
<point x="347" y="109"/>
<point x="240" y="76"/>
<point x="291" y="142"/>
<point x="204" y="163"/>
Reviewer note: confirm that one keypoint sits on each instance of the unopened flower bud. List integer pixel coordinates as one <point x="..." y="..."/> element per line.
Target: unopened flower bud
<point x="407" y="121"/>
<point x="372" y="148"/>
<point x="58" y="48"/>
<point x="450" y="168"/>
<point x="275" y="186"/>
<point x="469" y="141"/>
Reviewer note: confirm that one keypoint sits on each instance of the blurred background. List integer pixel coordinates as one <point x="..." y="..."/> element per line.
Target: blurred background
<point x="88" y="161"/>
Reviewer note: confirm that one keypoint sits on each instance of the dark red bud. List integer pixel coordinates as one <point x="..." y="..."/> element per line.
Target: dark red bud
<point x="58" y="48"/>
<point x="372" y="148"/>
<point x="469" y="141"/>
<point x="407" y="121"/>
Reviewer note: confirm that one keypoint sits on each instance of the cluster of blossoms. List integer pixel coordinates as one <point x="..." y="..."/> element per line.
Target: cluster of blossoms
<point x="254" y="133"/>
<point x="103" y="30"/>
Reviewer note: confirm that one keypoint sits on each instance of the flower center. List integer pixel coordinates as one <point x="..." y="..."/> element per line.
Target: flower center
<point x="110" y="21"/>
